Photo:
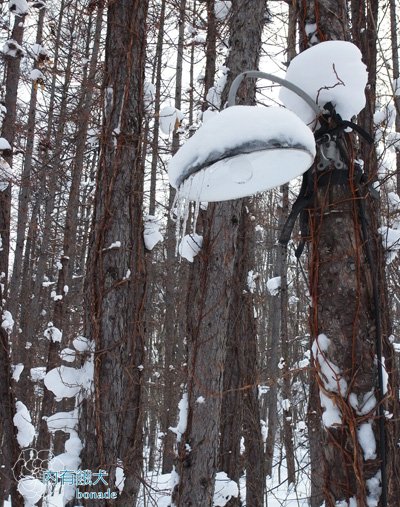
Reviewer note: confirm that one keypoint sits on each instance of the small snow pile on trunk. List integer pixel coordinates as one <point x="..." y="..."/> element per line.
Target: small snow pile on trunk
<point x="214" y="94"/>
<point x="120" y="476"/>
<point x="391" y="234"/>
<point x="12" y="48"/>
<point x="36" y="74"/>
<point x="391" y="242"/>
<point x="190" y="246"/>
<point x="67" y="355"/>
<point x="332" y="379"/>
<point x="38" y="51"/>
<point x="331" y="415"/>
<point x="331" y="71"/>
<point x="170" y="119"/>
<point x="149" y="96"/>
<point x="221" y="9"/>
<point x="23" y="422"/>
<point x="64" y="382"/>
<point x="394" y="202"/>
<point x="52" y="333"/>
<point x="31" y="489"/>
<point x="38" y="373"/>
<point x="17" y="369"/>
<point x="62" y="421"/>
<point x="151" y="233"/>
<point x="374" y="486"/>
<point x="363" y="403"/>
<point x="329" y="373"/>
<point x="366" y="439"/>
<point x="251" y="281"/>
<point x="7" y="322"/>
<point x="19" y="7"/>
<point x="82" y="344"/>
<point x="4" y="144"/>
<point x="68" y="460"/>
<point x="225" y="489"/>
<point x="274" y="285"/>
<point x="183" y="406"/>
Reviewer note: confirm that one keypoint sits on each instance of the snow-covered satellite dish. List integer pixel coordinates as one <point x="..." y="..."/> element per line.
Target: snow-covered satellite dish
<point x="241" y="151"/>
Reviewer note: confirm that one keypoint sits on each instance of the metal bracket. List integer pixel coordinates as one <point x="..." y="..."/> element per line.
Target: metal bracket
<point x="329" y="154"/>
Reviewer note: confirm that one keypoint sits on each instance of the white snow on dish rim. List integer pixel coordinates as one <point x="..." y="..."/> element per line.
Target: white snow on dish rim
<point x="331" y="71"/>
<point x="242" y="174"/>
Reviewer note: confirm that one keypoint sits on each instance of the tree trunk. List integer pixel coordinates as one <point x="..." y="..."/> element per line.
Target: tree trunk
<point x="114" y="318"/>
<point x="176" y="287"/>
<point x="396" y="77"/>
<point x="8" y="132"/>
<point x="209" y="295"/>
<point x="348" y="324"/>
<point x="64" y="281"/>
<point x="286" y="378"/>
<point x="25" y="188"/>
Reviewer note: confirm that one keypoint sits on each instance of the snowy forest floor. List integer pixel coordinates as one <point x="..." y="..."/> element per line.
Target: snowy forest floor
<point x="156" y="489"/>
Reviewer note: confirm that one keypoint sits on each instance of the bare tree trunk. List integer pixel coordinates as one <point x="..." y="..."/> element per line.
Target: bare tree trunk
<point x="8" y="132"/>
<point x="286" y="379"/>
<point x="64" y="281"/>
<point x="211" y="47"/>
<point x="176" y="287"/>
<point x="396" y="78"/>
<point x="273" y="373"/>
<point x="156" y="126"/>
<point x="348" y="323"/>
<point x="114" y="318"/>
<point x="254" y="447"/>
<point x="25" y="189"/>
<point x="9" y="448"/>
<point x="209" y="295"/>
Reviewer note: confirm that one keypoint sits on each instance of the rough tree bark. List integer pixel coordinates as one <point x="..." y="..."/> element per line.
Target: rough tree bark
<point x="176" y="276"/>
<point x="396" y="78"/>
<point x="209" y="296"/>
<point x="348" y="304"/>
<point x="9" y="446"/>
<point x="64" y="281"/>
<point x="116" y="277"/>
<point x="13" y="64"/>
<point x="25" y="186"/>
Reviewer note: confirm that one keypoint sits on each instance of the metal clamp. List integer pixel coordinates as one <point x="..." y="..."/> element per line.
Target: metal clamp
<point x="329" y="154"/>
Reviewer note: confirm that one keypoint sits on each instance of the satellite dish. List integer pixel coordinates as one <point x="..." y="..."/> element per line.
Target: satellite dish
<point x="241" y="151"/>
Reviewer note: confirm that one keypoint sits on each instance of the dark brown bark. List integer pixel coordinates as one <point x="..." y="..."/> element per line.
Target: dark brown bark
<point x="211" y="46"/>
<point x="273" y="374"/>
<point x="156" y="126"/>
<point x="176" y="281"/>
<point x="114" y="319"/>
<point x="9" y="130"/>
<point x="254" y="447"/>
<point x="31" y="285"/>
<point x="209" y="295"/>
<point x="64" y="281"/>
<point x="347" y="291"/>
<point x="396" y="77"/>
<point x="286" y="376"/>
<point x="9" y="448"/>
<point x="25" y="188"/>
